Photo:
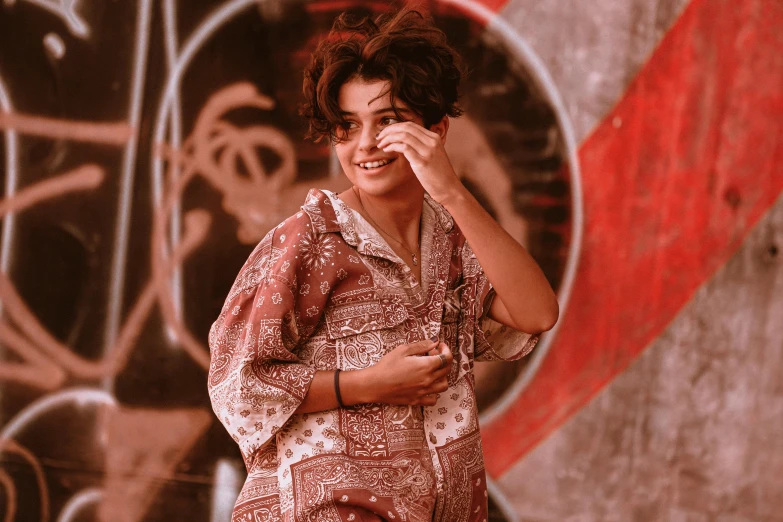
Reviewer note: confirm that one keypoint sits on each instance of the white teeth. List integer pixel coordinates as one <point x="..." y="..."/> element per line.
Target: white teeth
<point x="373" y="164"/>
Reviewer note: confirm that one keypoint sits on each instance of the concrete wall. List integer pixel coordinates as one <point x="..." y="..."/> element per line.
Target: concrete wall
<point x="633" y="146"/>
<point x="659" y="399"/>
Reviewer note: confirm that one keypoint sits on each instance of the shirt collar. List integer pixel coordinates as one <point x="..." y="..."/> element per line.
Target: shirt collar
<point x="328" y="213"/>
<point x="319" y="207"/>
<point x="323" y="207"/>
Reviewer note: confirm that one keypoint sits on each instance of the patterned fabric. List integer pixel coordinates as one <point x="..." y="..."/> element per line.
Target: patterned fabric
<point x="323" y="291"/>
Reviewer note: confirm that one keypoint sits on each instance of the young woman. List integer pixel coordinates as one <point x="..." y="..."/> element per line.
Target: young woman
<point x="342" y="359"/>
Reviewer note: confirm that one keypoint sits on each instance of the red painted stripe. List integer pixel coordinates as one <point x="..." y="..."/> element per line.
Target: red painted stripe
<point x="669" y="196"/>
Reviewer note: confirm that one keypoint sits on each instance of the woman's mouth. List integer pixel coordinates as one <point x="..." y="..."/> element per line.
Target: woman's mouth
<point x="370" y="165"/>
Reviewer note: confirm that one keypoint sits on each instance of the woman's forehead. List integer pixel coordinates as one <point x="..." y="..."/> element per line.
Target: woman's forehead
<point x="362" y="97"/>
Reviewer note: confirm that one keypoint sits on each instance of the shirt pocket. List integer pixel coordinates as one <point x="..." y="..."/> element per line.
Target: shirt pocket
<point x="360" y="324"/>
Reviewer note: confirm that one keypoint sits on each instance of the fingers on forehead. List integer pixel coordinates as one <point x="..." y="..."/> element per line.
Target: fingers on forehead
<point x="406" y="127"/>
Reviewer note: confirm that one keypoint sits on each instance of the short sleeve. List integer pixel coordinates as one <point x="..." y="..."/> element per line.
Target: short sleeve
<point x="256" y="380"/>
<point x="492" y="341"/>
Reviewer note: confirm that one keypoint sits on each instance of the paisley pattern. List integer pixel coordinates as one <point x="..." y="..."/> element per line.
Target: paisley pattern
<point x="323" y="291"/>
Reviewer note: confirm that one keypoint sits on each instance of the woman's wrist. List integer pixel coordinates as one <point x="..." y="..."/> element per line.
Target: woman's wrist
<point x="356" y="387"/>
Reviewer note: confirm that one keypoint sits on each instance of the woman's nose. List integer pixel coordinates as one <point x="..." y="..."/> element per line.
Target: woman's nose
<point x="368" y="139"/>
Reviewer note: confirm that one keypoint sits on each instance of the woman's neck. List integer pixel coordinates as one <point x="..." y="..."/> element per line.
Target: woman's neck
<point x="397" y="215"/>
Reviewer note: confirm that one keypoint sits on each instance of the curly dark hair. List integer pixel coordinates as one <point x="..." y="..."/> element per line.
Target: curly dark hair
<point x="403" y="48"/>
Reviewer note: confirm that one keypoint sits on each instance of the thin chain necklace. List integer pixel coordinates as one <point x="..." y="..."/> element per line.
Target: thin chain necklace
<point x="414" y="257"/>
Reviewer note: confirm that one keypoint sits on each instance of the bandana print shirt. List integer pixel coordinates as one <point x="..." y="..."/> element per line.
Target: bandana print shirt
<point x="324" y="291"/>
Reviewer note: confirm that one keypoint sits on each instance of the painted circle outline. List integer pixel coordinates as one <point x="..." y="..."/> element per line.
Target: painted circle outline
<point x="494" y="23"/>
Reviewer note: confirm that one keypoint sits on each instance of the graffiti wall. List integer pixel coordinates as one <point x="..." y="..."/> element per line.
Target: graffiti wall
<point x="631" y="146"/>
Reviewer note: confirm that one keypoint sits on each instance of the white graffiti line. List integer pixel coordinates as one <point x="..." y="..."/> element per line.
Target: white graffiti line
<point x="502" y="502"/>
<point x="54" y="44"/>
<point x="170" y="103"/>
<point x="122" y="230"/>
<point x="212" y="23"/>
<point x="175" y="139"/>
<point x="226" y="485"/>
<point x="524" y="52"/>
<point x="78" y="396"/>
<point x="66" y="10"/>
<point x="11" y="183"/>
<point x="79" y="501"/>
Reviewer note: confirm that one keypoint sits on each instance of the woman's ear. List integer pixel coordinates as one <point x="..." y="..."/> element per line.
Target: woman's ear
<point x="441" y="128"/>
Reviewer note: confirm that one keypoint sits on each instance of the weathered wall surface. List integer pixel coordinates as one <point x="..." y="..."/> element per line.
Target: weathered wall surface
<point x="633" y="146"/>
<point x="592" y="51"/>
<point x="691" y="431"/>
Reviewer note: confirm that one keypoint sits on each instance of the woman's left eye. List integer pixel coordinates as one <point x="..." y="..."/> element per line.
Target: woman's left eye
<point x="389" y="121"/>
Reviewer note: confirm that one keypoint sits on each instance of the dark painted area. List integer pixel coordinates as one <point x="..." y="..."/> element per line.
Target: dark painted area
<point x="132" y="437"/>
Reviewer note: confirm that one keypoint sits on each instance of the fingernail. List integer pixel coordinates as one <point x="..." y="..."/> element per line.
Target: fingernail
<point x="434" y="338"/>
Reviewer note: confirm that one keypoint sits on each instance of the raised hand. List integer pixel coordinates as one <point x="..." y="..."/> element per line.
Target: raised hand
<point x="424" y="150"/>
<point x="412" y="374"/>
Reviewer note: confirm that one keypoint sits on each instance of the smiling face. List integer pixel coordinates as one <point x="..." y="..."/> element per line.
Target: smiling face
<point x="366" y="114"/>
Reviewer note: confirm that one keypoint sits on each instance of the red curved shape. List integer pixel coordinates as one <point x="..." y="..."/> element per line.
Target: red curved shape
<point x="669" y="195"/>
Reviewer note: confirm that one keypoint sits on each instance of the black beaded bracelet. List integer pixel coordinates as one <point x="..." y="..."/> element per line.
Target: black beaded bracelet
<point x="337" y="388"/>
